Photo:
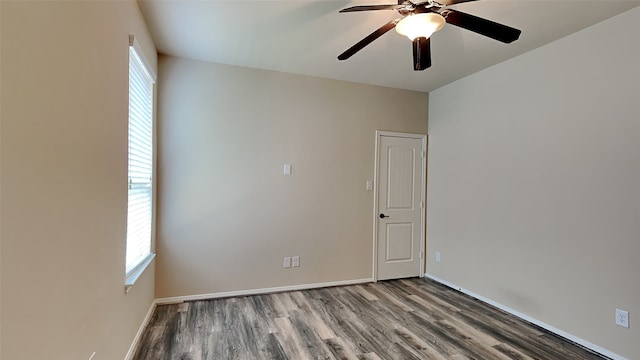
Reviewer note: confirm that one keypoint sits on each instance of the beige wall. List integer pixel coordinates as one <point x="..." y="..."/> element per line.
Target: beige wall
<point x="228" y="215"/>
<point x="534" y="169"/>
<point x="64" y="169"/>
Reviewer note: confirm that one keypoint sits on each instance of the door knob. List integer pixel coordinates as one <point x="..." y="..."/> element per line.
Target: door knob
<point x="382" y="216"/>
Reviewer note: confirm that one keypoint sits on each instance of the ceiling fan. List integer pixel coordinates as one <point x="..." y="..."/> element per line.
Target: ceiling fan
<point x="421" y="19"/>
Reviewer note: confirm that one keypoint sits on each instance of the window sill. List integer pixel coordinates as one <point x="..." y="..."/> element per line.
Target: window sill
<point x="133" y="276"/>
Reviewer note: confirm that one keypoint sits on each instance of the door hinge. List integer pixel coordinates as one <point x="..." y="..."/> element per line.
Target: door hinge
<point x="420" y="254"/>
<point x="421" y="204"/>
<point x="424" y="153"/>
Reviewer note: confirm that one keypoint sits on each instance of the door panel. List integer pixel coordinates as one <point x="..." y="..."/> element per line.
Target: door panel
<point x="399" y="242"/>
<point x="401" y="163"/>
<point x="399" y="195"/>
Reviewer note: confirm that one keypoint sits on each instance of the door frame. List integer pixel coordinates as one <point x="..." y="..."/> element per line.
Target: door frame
<point x="423" y="188"/>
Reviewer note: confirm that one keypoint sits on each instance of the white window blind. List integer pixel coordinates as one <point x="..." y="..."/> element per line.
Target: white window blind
<point x="139" y="212"/>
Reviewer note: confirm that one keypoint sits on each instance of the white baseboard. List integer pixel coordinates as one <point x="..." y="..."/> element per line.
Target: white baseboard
<point x="179" y="299"/>
<point x="524" y="317"/>
<point x="138" y="336"/>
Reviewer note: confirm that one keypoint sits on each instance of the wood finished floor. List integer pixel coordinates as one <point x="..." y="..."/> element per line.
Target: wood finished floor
<point x="399" y="319"/>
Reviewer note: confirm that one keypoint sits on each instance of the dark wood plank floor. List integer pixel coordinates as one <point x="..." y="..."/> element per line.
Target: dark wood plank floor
<point x="399" y="319"/>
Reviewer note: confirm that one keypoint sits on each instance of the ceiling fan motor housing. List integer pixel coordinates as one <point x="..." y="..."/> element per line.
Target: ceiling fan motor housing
<point x="421" y="53"/>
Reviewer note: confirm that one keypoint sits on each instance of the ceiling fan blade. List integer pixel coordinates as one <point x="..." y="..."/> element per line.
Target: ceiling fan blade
<point x="372" y="7"/>
<point x="453" y="2"/>
<point x="421" y="53"/>
<point x="368" y="40"/>
<point x="485" y="27"/>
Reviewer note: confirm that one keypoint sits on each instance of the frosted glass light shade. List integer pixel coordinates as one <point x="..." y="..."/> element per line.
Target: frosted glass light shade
<point x="420" y="25"/>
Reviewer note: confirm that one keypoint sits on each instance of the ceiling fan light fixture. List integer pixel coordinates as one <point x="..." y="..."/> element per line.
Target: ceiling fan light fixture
<point x="420" y="25"/>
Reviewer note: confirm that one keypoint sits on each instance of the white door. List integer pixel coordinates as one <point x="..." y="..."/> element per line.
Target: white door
<point x="400" y="215"/>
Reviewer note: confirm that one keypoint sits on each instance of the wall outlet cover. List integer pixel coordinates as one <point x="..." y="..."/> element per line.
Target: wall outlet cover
<point x="287" y="262"/>
<point x="622" y="318"/>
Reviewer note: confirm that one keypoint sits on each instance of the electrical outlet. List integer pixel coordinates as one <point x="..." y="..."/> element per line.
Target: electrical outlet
<point x="295" y="261"/>
<point x="437" y="256"/>
<point x="287" y="262"/>
<point x="622" y="318"/>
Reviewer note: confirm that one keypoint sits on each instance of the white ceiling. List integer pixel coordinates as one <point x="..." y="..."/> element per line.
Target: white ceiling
<point x="306" y="36"/>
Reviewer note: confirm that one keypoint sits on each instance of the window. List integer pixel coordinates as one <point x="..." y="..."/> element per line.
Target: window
<point x="140" y="178"/>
